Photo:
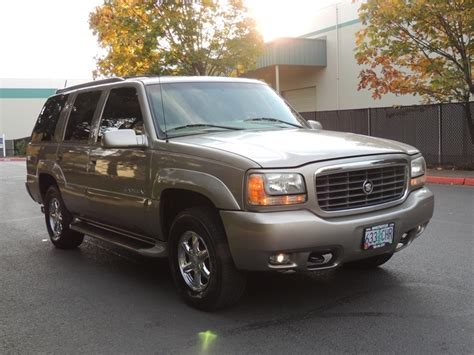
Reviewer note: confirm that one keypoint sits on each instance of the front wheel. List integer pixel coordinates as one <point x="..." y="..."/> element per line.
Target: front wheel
<point x="369" y="263"/>
<point x="58" y="219"/>
<point x="201" y="263"/>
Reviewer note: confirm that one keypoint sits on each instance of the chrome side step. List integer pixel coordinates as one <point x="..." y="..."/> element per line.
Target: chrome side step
<point x="157" y="250"/>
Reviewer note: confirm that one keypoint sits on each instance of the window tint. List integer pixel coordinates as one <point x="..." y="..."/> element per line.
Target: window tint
<point x="80" y="118"/>
<point x="48" y="119"/>
<point x="122" y="111"/>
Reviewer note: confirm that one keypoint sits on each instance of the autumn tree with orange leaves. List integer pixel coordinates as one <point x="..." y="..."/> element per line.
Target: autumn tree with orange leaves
<point x="418" y="47"/>
<point x="177" y="37"/>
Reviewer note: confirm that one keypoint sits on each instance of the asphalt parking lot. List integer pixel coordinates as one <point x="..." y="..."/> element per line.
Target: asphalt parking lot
<point x="100" y="299"/>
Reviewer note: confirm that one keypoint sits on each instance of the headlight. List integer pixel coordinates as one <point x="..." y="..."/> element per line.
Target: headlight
<point x="275" y="189"/>
<point x="418" y="167"/>
<point x="418" y="172"/>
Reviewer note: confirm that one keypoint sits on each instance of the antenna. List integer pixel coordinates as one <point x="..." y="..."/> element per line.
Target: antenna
<point x="163" y="107"/>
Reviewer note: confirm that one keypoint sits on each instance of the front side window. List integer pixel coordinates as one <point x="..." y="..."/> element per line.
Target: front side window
<point x="80" y="119"/>
<point x="48" y="119"/>
<point x="122" y="111"/>
<point x="199" y="107"/>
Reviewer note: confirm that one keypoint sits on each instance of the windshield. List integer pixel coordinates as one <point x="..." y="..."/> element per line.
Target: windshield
<point x="199" y="107"/>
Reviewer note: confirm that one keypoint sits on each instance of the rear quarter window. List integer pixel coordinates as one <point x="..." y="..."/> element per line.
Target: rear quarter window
<point x="48" y="119"/>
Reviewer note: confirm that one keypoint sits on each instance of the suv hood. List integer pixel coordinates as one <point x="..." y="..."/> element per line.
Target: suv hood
<point x="295" y="147"/>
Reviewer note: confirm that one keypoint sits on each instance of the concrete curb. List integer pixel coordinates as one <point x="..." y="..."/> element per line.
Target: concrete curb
<point x="450" y="180"/>
<point x="12" y="159"/>
<point x="469" y="182"/>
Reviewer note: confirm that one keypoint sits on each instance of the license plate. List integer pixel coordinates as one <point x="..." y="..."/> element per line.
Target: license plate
<point x="378" y="236"/>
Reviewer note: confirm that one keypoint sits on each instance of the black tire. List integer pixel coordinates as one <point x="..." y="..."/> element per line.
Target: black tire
<point x="225" y="284"/>
<point x="370" y="263"/>
<point x="59" y="233"/>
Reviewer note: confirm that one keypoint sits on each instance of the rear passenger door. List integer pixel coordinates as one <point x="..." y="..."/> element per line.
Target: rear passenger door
<point x="119" y="177"/>
<point x="73" y="153"/>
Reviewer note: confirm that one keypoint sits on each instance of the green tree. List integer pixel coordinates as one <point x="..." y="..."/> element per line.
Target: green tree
<point x="422" y="47"/>
<point x="178" y="37"/>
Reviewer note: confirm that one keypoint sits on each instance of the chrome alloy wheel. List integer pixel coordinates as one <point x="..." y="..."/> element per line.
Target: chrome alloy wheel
<point x="55" y="218"/>
<point x="193" y="261"/>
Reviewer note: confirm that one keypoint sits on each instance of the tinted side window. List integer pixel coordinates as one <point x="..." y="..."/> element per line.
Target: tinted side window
<point x="122" y="111"/>
<point x="48" y="119"/>
<point x="80" y="118"/>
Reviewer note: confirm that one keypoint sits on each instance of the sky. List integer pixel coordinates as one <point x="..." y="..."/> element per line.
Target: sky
<point x="52" y="39"/>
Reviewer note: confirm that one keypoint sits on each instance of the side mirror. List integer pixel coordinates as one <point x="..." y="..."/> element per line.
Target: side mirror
<point x="315" y="124"/>
<point x="123" y="138"/>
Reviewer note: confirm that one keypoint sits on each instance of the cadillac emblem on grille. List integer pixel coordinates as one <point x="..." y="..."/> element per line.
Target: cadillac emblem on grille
<point x="364" y="187"/>
<point x="368" y="187"/>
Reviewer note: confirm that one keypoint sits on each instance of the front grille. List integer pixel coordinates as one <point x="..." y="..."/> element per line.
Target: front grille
<point x="345" y="190"/>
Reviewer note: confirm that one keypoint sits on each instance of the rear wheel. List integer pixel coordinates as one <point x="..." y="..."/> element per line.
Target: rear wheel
<point x="201" y="263"/>
<point x="58" y="219"/>
<point x="370" y="263"/>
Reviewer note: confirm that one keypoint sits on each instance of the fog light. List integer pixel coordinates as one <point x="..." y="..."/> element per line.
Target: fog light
<point x="279" y="259"/>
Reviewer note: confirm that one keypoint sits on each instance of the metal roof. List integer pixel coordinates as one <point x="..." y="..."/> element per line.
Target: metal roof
<point x="294" y="51"/>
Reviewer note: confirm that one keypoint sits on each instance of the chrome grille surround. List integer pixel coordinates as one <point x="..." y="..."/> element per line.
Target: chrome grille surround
<point x="340" y="189"/>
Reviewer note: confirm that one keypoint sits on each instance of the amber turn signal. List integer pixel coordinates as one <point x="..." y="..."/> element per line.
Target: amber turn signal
<point x="418" y="181"/>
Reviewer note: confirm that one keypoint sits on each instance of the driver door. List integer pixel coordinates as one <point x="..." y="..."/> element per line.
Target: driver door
<point x="118" y="177"/>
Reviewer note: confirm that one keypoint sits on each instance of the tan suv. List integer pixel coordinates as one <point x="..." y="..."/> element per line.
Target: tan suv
<point x="221" y="176"/>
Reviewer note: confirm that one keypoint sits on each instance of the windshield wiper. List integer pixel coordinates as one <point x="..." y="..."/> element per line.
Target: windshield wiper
<point x="270" y="119"/>
<point x="201" y="125"/>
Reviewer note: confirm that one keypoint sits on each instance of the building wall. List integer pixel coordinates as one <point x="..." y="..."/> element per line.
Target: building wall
<point x="21" y="101"/>
<point x="346" y="96"/>
<point x="297" y="86"/>
<point x="336" y="84"/>
<point x="17" y="116"/>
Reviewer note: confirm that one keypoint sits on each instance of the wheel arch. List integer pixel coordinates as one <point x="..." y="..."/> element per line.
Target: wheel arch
<point x="204" y="184"/>
<point x="45" y="181"/>
<point x="175" y="200"/>
<point x="49" y="173"/>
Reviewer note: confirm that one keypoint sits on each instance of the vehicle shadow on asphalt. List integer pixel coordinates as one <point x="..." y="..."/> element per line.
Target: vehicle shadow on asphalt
<point x="267" y="293"/>
<point x="107" y="282"/>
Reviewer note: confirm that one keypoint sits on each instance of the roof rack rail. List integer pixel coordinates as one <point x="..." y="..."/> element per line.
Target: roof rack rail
<point x="90" y="83"/>
<point x="145" y="76"/>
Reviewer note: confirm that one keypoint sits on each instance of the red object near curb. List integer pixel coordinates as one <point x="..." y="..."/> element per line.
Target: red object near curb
<point x="446" y="180"/>
<point x="469" y="181"/>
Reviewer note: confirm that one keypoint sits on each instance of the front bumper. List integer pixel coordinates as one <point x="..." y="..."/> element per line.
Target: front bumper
<point x="254" y="237"/>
